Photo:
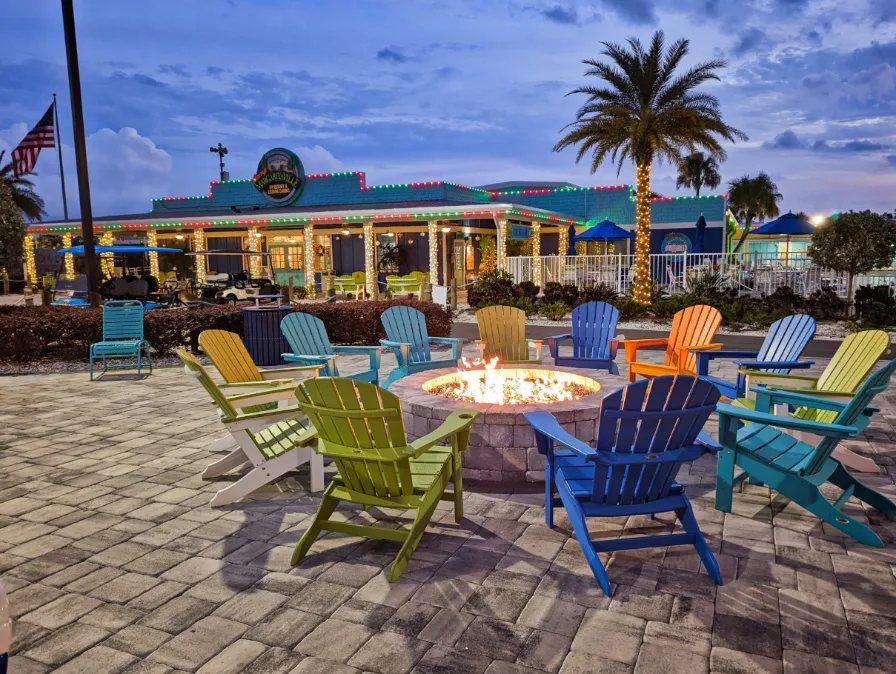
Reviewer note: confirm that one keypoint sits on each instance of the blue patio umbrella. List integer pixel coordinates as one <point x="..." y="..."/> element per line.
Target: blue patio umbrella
<point x="604" y="231"/>
<point x="701" y="232"/>
<point x="571" y="233"/>
<point x="787" y="225"/>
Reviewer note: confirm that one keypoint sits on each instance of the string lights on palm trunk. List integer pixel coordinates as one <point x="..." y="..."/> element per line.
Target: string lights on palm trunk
<point x="68" y="258"/>
<point x="641" y="290"/>
<point x="199" y="245"/>
<point x="370" y="276"/>
<point x="310" y="261"/>
<point x="152" y="241"/>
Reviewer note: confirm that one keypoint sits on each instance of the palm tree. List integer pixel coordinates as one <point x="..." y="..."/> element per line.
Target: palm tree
<point x="23" y="194"/>
<point x="643" y="110"/>
<point x="752" y="198"/>
<point x="697" y="170"/>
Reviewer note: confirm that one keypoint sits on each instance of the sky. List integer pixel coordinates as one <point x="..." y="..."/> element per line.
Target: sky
<point x="468" y="91"/>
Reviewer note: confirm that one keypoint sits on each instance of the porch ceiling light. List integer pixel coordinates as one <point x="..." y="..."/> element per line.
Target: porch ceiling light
<point x="346" y="232"/>
<point x="446" y="229"/>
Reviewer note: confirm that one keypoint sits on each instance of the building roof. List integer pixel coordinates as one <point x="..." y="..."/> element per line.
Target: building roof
<point x="497" y="187"/>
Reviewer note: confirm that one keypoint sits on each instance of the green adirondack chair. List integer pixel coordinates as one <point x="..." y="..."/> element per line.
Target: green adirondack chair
<point x="852" y="362"/>
<point x="798" y="470"/>
<point x="360" y="427"/>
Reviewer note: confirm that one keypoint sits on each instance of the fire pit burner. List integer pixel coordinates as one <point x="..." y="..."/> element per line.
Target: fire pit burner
<point x="512" y="386"/>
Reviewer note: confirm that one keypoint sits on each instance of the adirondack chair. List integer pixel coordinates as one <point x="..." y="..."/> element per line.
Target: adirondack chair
<point x="502" y="333"/>
<point x="799" y="470"/>
<point x="122" y="336"/>
<point x="229" y="355"/>
<point x="693" y="328"/>
<point x="275" y="441"/>
<point x="361" y="428"/>
<point x="647" y="431"/>
<point x="593" y="336"/>
<point x="779" y="354"/>
<point x="407" y="337"/>
<point x="852" y="362"/>
<point x="310" y="344"/>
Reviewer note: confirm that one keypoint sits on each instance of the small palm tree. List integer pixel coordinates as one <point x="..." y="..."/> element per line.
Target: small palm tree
<point x="697" y="170"/>
<point x="644" y="109"/>
<point x="23" y="194"/>
<point x="751" y="199"/>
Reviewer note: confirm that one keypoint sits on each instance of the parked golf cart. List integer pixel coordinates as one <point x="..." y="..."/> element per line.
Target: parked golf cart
<point x="233" y="288"/>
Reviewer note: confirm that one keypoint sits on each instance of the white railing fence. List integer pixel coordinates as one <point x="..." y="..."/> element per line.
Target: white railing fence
<point x="752" y="273"/>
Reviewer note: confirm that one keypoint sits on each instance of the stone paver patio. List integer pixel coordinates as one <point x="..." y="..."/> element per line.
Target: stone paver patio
<point x="115" y="563"/>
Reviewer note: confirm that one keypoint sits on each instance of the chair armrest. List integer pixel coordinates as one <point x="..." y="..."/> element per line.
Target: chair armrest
<point x="457" y="344"/>
<point x="636" y="459"/>
<point x="251" y="419"/>
<point x="280" y="371"/>
<point x="554" y="343"/>
<point x="766" y="397"/>
<point x="261" y="397"/>
<point x="270" y="383"/>
<point x="743" y="414"/>
<point x="819" y="394"/>
<point x="710" y="443"/>
<point x="403" y="348"/>
<point x="782" y="378"/>
<point x="724" y="353"/>
<point x="545" y="424"/>
<point x="773" y="364"/>
<point x="632" y="346"/>
<point x="296" y="357"/>
<point x="374" y="353"/>
<point x="457" y="422"/>
<point x="538" y="345"/>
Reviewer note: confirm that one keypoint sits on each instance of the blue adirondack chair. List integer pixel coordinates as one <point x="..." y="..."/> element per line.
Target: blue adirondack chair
<point x="122" y="336"/>
<point x="593" y="336"/>
<point x="409" y="340"/>
<point x="307" y="336"/>
<point x="779" y="353"/>
<point x="798" y="470"/>
<point x="647" y="431"/>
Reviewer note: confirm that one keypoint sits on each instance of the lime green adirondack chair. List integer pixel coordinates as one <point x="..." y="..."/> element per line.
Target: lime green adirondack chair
<point x="360" y="427"/>
<point x="275" y="441"/>
<point x="840" y="380"/>
<point x="502" y="333"/>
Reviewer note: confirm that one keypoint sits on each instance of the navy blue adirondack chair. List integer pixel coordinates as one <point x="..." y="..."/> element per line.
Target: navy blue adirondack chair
<point x="594" y="341"/>
<point x="780" y="352"/>
<point x="307" y="336"/>
<point x="409" y="340"/>
<point x="122" y="336"/>
<point x="647" y="431"/>
<point x="798" y="470"/>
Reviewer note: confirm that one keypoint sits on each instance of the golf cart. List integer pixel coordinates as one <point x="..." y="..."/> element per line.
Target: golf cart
<point x="225" y="288"/>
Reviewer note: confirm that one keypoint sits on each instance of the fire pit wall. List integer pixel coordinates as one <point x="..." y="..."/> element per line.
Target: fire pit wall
<point x="502" y="443"/>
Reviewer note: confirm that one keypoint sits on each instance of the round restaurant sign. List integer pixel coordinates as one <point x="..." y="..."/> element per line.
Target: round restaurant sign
<point x="676" y="243"/>
<point x="280" y="176"/>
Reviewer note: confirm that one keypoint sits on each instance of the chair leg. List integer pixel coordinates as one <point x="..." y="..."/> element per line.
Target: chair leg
<point x="725" y="480"/>
<point x="457" y="480"/>
<point x="327" y="505"/>
<point x="233" y="460"/>
<point x="577" y="519"/>
<point x="549" y="491"/>
<point x="852" y="460"/>
<point x="689" y="522"/>
<point x="316" y="463"/>
<point x="614" y="369"/>
<point x="394" y="376"/>
<point x="222" y="443"/>
<point x="843" y="479"/>
<point x="421" y="520"/>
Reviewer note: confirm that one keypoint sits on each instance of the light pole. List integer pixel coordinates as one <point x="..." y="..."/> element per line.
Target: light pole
<point x="220" y="151"/>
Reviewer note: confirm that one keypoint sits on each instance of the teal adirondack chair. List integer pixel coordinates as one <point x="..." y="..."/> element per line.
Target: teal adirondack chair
<point x="798" y="470"/>
<point x="409" y="340"/>
<point x="122" y="336"/>
<point x="307" y="336"/>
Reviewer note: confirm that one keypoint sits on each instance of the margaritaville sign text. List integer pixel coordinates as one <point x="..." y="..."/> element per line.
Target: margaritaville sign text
<point x="280" y="176"/>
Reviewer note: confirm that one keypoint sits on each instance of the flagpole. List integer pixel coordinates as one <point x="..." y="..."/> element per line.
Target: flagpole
<point x="59" y="152"/>
<point x="74" y="83"/>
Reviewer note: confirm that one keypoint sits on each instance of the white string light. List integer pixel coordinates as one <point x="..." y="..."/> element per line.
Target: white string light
<point x="536" y="253"/>
<point x="370" y="278"/>
<point x="641" y="289"/>
<point x="199" y="245"/>
<point x="310" y="260"/>
<point x="69" y="259"/>
<point x="152" y="241"/>
<point x="433" y="252"/>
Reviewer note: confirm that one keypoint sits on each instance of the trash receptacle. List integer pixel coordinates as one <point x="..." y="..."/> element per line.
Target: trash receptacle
<point x="262" y="336"/>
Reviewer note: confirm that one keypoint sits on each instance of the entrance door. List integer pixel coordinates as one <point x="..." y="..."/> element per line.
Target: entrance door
<point x="459" y="267"/>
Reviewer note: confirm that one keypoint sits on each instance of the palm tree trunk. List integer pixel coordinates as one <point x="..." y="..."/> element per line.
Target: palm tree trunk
<point x="643" y="286"/>
<point x="743" y="234"/>
<point x="698" y="189"/>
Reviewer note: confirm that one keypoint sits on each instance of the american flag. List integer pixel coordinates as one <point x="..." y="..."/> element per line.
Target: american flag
<point x="24" y="157"/>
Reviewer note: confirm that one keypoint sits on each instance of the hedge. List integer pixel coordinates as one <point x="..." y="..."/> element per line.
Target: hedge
<point x="65" y="333"/>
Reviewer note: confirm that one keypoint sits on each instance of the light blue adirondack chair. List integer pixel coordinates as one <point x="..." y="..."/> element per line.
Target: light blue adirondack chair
<point x="307" y="336"/>
<point x="122" y="336"/>
<point x="593" y="336"/>
<point x="409" y="340"/>
<point x="798" y="470"/>
<point x="780" y="351"/>
<point x="647" y="431"/>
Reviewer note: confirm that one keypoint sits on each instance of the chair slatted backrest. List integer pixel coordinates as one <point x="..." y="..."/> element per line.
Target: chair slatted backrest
<point x="786" y="340"/>
<point x="227" y="351"/>
<point x="851" y="363"/>
<point x="360" y="426"/>
<point x="218" y="397"/>
<point x="693" y="326"/>
<point x="593" y="326"/>
<point x="306" y="334"/>
<point x="408" y="325"/>
<point x="503" y="329"/>
<point x="876" y="383"/>
<point x="649" y="417"/>
<point x="122" y="320"/>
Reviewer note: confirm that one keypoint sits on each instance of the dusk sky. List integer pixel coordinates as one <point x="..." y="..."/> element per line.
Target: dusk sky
<point x="470" y="91"/>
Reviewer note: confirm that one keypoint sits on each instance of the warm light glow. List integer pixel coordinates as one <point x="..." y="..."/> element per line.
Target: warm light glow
<point x="501" y="241"/>
<point x="310" y="260"/>
<point x="107" y="260"/>
<point x="563" y="243"/>
<point x="536" y="253"/>
<point x="446" y="229"/>
<point x="369" y="263"/>
<point x="152" y="241"/>
<point x="198" y="245"/>
<point x="641" y="289"/>
<point x="817" y="219"/>
<point x="30" y="264"/>
<point x="179" y="237"/>
<point x="490" y="384"/>
<point x="69" y="258"/>
<point x="254" y="260"/>
<point x="432" y="227"/>
<point x="346" y="232"/>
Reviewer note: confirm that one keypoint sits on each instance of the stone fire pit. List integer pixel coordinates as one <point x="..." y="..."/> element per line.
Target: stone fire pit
<point x="502" y="444"/>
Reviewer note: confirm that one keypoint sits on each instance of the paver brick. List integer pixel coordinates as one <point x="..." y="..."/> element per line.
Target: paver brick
<point x="191" y="649"/>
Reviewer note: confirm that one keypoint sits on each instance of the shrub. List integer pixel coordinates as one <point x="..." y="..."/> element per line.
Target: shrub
<point x="554" y="292"/>
<point x="494" y="287"/>
<point x="629" y="310"/>
<point x="876" y="315"/>
<point x="602" y="292"/>
<point x="786" y="300"/>
<point x="825" y="305"/>
<point x="708" y="283"/>
<point x="527" y="305"/>
<point x="554" y="311"/>
<point x="529" y="290"/>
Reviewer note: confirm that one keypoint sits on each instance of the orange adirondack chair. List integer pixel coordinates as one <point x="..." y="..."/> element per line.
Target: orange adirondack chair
<point x="693" y="329"/>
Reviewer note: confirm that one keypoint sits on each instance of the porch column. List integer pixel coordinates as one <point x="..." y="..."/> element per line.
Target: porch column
<point x="563" y="246"/>
<point x="254" y="266"/>
<point x="30" y="264"/>
<point x="107" y="260"/>
<point x="310" y="260"/>
<point x="153" y="241"/>
<point x="433" y="234"/>
<point x="69" y="259"/>
<point x="370" y="282"/>
<point x="501" y="241"/>
<point x="536" y="253"/>
<point x="198" y="245"/>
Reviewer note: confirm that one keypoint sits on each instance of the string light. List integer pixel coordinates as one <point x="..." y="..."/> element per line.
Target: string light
<point x="433" y="228"/>
<point x="536" y="253"/>
<point x="641" y="290"/>
<point x="30" y="264"/>
<point x="199" y="245"/>
<point x="308" y="233"/>
<point x="152" y="241"/>
<point x="501" y="224"/>
<point x="563" y="243"/>
<point x="69" y="259"/>
<point x="107" y="260"/>
<point x="254" y="266"/>
<point x="369" y="266"/>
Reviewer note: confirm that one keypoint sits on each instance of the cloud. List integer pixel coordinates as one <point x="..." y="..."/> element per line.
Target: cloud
<point x="636" y="11"/>
<point x="178" y="69"/>
<point x="214" y="71"/>
<point x="794" y="6"/>
<point x="391" y="55"/>
<point x="561" y="14"/>
<point x="787" y="140"/>
<point x="318" y="159"/>
<point x="750" y="40"/>
<point x="891" y="159"/>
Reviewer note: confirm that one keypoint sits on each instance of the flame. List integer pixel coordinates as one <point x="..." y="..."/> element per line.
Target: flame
<point x="485" y="382"/>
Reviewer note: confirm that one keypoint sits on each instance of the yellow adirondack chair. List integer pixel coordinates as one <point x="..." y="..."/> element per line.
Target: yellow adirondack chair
<point x="840" y="379"/>
<point x="693" y="329"/>
<point x="360" y="427"/>
<point x="502" y="333"/>
<point x="228" y="354"/>
<point x="274" y="440"/>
